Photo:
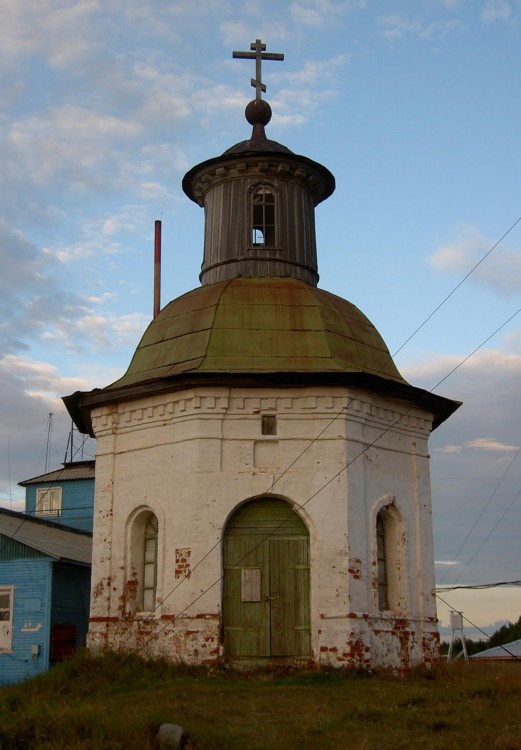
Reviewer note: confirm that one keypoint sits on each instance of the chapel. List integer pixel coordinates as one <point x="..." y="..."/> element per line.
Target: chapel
<point x="262" y="491"/>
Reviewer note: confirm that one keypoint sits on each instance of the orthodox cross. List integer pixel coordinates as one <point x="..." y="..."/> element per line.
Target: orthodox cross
<point x="258" y="54"/>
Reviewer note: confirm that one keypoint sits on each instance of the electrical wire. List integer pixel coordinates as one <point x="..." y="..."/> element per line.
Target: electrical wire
<point x="478" y="586"/>
<point x="344" y="408"/>
<point x="485" y="540"/>
<point x="498" y="485"/>
<point x="474" y="268"/>
<point x="28" y="517"/>
<point x="297" y="507"/>
<point x="487" y="636"/>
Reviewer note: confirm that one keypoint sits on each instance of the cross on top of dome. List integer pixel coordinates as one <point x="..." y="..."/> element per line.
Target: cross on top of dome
<point x="258" y="54"/>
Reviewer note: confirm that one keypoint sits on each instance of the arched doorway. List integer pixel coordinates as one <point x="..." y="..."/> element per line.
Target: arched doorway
<point x="266" y="582"/>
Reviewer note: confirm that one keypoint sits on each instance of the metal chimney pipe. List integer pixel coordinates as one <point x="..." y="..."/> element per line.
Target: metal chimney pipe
<point x="157" y="267"/>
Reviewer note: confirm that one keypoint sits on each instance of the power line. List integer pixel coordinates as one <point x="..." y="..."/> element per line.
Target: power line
<point x="297" y="507"/>
<point x="487" y="636"/>
<point x="458" y="285"/>
<point x="340" y="413"/>
<point x="485" y="540"/>
<point x="478" y="586"/>
<point x="498" y="485"/>
<point x="27" y="517"/>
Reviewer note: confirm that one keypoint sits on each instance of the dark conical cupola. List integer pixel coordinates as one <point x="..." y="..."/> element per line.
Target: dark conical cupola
<point x="259" y="200"/>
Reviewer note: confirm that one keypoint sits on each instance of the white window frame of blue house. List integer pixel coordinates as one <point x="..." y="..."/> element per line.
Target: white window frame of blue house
<point x="48" y="501"/>
<point x="6" y="617"/>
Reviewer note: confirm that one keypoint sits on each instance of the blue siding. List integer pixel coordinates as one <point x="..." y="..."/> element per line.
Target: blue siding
<point x="77" y="502"/>
<point x="31" y="580"/>
<point x="70" y="598"/>
<point x="12" y="549"/>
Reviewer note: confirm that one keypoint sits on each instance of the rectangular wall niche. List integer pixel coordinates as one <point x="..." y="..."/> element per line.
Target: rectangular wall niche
<point x="266" y="454"/>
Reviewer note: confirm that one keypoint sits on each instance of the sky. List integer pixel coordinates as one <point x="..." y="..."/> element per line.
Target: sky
<point x="412" y="104"/>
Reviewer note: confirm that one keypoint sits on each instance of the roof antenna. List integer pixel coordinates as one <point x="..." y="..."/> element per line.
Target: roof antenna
<point x="9" y="471"/>
<point x="48" y="446"/>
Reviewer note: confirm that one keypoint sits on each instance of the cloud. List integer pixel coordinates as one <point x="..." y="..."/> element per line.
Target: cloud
<point x="450" y="449"/>
<point x="496" y="10"/>
<point x="39" y="379"/>
<point x="446" y="563"/>
<point x="395" y="27"/>
<point x="318" y="13"/>
<point x="64" y="34"/>
<point x="104" y="235"/>
<point x="482" y="444"/>
<point x="94" y="330"/>
<point x="315" y="73"/>
<point x="490" y="444"/>
<point x="70" y="143"/>
<point x="36" y="302"/>
<point x="304" y="91"/>
<point x="31" y="390"/>
<point x="30" y="293"/>
<point x="482" y="436"/>
<point x="500" y="271"/>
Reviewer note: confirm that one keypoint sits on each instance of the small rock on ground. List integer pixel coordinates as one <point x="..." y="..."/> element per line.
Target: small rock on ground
<point x="171" y="737"/>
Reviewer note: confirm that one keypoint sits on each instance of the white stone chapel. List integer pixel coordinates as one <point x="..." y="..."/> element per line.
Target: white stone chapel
<point x="262" y="489"/>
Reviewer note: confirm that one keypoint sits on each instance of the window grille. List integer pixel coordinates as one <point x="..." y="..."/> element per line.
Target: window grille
<point x="150" y="564"/>
<point x="383" y="596"/>
<point x="263" y="217"/>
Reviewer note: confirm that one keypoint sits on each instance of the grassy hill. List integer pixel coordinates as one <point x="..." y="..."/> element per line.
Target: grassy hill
<point x="118" y="702"/>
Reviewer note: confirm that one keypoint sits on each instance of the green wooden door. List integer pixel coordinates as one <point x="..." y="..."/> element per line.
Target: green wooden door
<point x="289" y="597"/>
<point x="246" y="615"/>
<point x="266" y="582"/>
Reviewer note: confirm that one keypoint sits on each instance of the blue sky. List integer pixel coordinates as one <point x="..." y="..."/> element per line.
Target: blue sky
<point x="414" y="106"/>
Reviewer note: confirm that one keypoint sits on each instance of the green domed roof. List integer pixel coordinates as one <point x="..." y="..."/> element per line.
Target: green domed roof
<point x="258" y="326"/>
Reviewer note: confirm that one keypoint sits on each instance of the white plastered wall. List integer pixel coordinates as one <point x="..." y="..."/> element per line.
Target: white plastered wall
<point x="193" y="456"/>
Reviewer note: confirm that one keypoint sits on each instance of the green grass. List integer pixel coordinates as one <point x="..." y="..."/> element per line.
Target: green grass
<point x="118" y="702"/>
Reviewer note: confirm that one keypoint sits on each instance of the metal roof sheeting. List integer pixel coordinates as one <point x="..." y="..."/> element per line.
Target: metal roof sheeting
<point x="68" y="473"/>
<point x="506" y="651"/>
<point x="257" y="326"/>
<point x="55" y="541"/>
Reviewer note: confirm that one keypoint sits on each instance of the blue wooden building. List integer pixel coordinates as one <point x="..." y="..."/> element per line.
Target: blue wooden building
<point x="45" y="566"/>
<point x="64" y="496"/>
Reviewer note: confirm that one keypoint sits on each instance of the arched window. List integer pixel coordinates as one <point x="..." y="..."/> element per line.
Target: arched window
<point x="263" y="217"/>
<point x="150" y="564"/>
<point x="142" y="561"/>
<point x="383" y="600"/>
<point x="390" y="558"/>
